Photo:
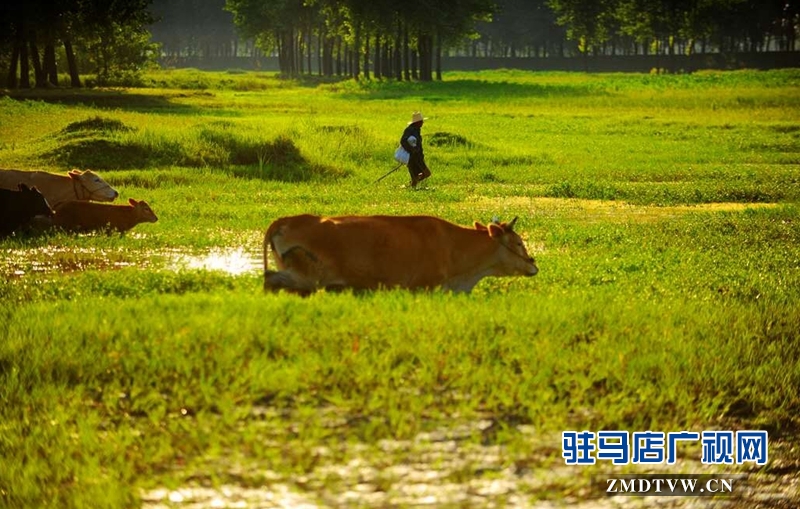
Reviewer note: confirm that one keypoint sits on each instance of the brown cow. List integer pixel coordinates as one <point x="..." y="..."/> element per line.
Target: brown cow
<point x="84" y="216"/>
<point x="57" y="189"/>
<point x="370" y="252"/>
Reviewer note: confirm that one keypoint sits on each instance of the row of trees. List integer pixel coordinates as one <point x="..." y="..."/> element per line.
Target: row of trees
<point x="105" y="37"/>
<point x="365" y="38"/>
<point x="408" y="40"/>
<point x="403" y="40"/>
<point x="667" y="26"/>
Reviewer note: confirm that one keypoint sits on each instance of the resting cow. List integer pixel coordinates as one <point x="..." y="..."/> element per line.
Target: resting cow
<point x="18" y="208"/>
<point x="83" y="216"/>
<point x="75" y="185"/>
<point x="371" y="252"/>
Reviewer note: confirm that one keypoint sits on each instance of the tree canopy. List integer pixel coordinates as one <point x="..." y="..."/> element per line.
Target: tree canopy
<point x="108" y="37"/>
<point x="400" y="38"/>
<point x="363" y="38"/>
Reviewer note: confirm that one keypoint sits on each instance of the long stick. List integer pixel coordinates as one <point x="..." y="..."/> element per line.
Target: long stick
<point x="394" y="170"/>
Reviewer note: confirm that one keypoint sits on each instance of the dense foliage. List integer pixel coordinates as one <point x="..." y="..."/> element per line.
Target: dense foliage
<point x="105" y="38"/>
<point x="406" y="40"/>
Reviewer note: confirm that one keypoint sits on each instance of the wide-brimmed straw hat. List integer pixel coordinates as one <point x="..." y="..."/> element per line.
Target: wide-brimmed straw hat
<point x="417" y="117"/>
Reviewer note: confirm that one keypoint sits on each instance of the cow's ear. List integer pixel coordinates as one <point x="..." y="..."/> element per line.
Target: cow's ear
<point x="132" y="202"/>
<point x="74" y="173"/>
<point x="478" y="226"/>
<point x="495" y="230"/>
<point x="510" y="226"/>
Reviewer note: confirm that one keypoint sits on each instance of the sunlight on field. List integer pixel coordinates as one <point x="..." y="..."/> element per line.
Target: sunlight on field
<point x="602" y="210"/>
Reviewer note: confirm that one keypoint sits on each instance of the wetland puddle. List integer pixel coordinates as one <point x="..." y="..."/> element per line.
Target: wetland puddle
<point x="231" y="261"/>
<point x="17" y="263"/>
<point x="237" y="261"/>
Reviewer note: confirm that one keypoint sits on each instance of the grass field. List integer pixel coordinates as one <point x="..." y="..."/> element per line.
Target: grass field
<point x="150" y="368"/>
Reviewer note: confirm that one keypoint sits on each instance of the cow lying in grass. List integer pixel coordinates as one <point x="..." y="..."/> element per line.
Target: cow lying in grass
<point x="18" y="208"/>
<point x="75" y="185"/>
<point x="371" y="252"/>
<point x="82" y="216"/>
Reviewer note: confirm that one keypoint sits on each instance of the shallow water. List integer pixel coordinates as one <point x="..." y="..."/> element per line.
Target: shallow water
<point x="18" y="263"/>
<point x="236" y="261"/>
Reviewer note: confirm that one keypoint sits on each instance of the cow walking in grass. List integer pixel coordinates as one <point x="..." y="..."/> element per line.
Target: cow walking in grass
<point x="18" y="208"/>
<point x="80" y="216"/>
<point x="57" y="189"/>
<point x="372" y="252"/>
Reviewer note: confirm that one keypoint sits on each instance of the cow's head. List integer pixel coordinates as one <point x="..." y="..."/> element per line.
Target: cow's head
<point x="514" y="258"/>
<point x="35" y="202"/>
<point x="89" y="186"/>
<point x="143" y="211"/>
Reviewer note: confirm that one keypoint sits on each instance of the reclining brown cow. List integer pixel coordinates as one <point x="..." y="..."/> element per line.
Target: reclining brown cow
<point x="371" y="252"/>
<point x="75" y="185"/>
<point x="83" y="216"/>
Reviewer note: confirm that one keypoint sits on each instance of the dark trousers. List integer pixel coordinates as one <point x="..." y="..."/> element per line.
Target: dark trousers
<point x="417" y="167"/>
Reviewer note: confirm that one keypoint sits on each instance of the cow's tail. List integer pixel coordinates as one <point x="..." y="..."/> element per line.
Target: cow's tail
<point x="269" y="245"/>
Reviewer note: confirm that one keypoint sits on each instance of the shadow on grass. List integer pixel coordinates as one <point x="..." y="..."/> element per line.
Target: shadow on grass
<point x="105" y="99"/>
<point x="461" y="90"/>
<point x="282" y="161"/>
<point x="449" y="140"/>
<point x="105" y="154"/>
<point x="91" y="143"/>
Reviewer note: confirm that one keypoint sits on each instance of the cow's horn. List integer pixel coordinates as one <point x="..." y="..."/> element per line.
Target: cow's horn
<point x="495" y="220"/>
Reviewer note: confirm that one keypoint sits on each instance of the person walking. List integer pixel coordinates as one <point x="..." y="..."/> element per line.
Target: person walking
<point x="411" y="141"/>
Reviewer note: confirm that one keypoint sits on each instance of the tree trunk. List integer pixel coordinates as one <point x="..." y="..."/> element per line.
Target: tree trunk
<point x="11" y="79"/>
<point x="378" y="71"/>
<point x="298" y="41"/>
<point x="50" y="69"/>
<point x="438" y="56"/>
<point x="388" y="61"/>
<point x="74" y="77"/>
<point x="406" y="55"/>
<point x="281" y="53"/>
<point x="366" y="56"/>
<point x="398" y="52"/>
<point x="320" y="52"/>
<point x="425" y="57"/>
<point x="24" y="69"/>
<point x="310" y="50"/>
<point x="38" y="72"/>
<point x="356" y="48"/>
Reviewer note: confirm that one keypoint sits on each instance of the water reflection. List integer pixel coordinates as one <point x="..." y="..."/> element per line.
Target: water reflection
<point x="231" y="261"/>
<point x="19" y="263"/>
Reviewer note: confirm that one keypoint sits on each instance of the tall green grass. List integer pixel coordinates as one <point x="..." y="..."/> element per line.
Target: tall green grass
<point x="662" y="211"/>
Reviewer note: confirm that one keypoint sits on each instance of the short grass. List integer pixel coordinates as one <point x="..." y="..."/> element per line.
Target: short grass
<point x="662" y="210"/>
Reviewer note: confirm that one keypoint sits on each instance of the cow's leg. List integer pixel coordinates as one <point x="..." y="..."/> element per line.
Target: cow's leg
<point x="285" y="280"/>
<point x="299" y="274"/>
